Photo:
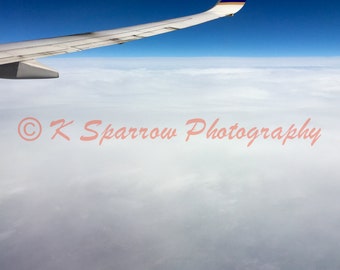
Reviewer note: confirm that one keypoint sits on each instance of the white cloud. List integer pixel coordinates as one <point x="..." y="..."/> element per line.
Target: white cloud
<point x="170" y="204"/>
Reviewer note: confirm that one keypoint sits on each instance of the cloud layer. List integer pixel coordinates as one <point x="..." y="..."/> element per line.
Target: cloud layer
<point x="170" y="204"/>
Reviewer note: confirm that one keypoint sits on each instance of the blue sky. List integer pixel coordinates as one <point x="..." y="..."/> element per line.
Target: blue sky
<point x="262" y="28"/>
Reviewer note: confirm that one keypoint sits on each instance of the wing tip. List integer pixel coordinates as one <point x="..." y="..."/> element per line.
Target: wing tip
<point x="227" y="8"/>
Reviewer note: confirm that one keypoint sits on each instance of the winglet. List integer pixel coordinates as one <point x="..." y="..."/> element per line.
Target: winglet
<point x="227" y="8"/>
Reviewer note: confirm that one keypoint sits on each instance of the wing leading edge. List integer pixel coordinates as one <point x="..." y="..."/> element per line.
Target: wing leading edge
<point x="17" y="60"/>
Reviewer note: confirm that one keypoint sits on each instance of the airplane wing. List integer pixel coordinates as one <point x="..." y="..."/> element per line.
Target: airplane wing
<point x="17" y="60"/>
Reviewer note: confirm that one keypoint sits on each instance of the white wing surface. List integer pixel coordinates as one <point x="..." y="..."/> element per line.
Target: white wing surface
<point x="17" y="60"/>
